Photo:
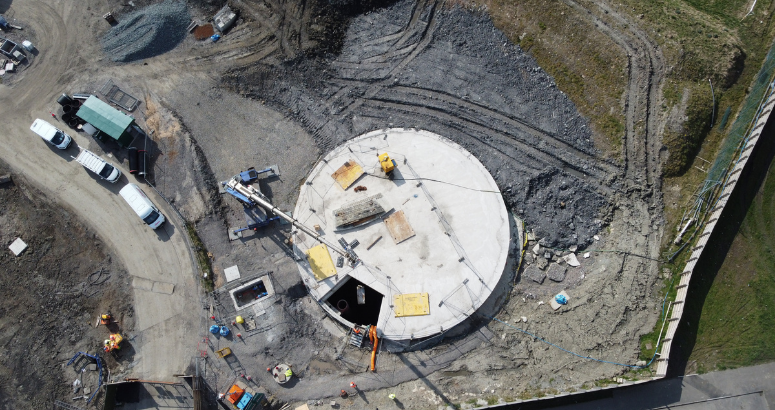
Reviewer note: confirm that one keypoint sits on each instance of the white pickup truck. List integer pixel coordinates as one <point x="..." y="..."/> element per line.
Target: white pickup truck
<point x="98" y="165"/>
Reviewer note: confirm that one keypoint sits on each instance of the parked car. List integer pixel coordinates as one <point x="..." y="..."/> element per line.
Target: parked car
<point x="143" y="207"/>
<point x="51" y="134"/>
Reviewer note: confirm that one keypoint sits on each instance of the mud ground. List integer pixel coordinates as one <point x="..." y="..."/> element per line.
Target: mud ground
<point x="448" y="70"/>
<point x="51" y="297"/>
<point x="270" y="93"/>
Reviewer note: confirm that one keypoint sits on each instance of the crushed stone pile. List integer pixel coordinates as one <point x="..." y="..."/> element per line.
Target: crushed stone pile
<point x="148" y="32"/>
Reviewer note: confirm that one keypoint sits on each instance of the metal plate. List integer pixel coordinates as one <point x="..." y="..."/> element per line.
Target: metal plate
<point x="347" y="173"/>
<point x="411" y="304"/>
<point x="320" y="262"/>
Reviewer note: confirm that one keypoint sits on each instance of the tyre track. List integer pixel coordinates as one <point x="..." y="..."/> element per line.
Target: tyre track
<point x="485" y="115"/>
<point x="425" y="40"/>
<point x="468" y="124"/>
<point x="645" y="72"/>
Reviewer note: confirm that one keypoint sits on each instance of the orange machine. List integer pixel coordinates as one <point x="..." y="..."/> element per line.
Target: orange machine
<point x="106" y="318"/>
<point x="374" y="342"/>
<point x="234" y="394"/>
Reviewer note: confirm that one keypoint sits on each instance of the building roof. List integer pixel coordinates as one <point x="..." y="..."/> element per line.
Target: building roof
<point x="104" y="117"/>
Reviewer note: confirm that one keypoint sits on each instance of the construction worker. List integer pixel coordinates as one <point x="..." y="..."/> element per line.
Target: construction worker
<point x="353" y="385"/>
<point x="392" y="396"/>
<point x="288" y="373"/>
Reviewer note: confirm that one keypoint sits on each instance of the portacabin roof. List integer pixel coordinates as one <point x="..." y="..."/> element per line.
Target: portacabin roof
<point x="104" y="117"/>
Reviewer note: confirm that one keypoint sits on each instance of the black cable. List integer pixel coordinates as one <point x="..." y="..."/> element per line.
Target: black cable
<point x="433" y="180"/>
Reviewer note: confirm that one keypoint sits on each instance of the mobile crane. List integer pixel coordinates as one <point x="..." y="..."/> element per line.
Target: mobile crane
<point x="256" y="197"/>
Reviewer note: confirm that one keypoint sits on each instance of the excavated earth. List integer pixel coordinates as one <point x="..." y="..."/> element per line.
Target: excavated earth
<point x="292" y="80"/>
<point x="49" y="299"/>
<point x="446" y="69"/>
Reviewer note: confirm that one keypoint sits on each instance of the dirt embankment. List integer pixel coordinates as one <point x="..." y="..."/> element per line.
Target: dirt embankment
<point x="51" y="296"/>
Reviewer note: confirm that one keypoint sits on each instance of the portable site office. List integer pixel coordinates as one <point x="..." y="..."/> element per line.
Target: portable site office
<point x="109" y="121"/>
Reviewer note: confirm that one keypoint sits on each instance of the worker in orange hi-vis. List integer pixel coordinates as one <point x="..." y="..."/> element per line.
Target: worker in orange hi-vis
<point x="353" y="385"/>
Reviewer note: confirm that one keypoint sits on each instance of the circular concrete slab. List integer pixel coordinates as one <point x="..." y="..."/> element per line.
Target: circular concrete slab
<point x="445" y="232"/>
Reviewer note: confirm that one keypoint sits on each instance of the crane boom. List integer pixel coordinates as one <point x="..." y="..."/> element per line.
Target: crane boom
<point x="256" y="197"/>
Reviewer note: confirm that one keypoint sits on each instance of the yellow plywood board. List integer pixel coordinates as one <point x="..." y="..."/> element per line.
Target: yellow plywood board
<point x="347" y="174"/>
<point x="321" y="263"/>
<point x="411" y="304"/>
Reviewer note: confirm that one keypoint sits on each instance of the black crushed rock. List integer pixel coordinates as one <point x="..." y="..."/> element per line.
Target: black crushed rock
<point x="556" y="272"/>
<point x="469" y="84"/>
<point x="534" y="274"/>
<point x="148" y="32"/>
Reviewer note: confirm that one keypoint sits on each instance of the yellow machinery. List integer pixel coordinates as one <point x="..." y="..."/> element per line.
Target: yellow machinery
<point x="106" y="318"/>
<point x="387" y="164"/>
<point x="223" y="352"/>
<point x="113" y="343"/>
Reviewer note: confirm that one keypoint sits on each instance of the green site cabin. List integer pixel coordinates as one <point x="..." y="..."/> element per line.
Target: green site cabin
<point x="108" y="120"/>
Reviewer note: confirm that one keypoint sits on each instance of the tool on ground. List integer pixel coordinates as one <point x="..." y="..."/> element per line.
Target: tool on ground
<point x="221" y="353"/>
<point x="388" y="165"/>
<point x="374" y="243"/>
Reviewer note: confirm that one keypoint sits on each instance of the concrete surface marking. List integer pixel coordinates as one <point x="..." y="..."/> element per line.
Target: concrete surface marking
<point x="162" y="287"/>
<point x="18" y="246"/>
<point x="142" y="283"/>
<point x="231" y="273"/>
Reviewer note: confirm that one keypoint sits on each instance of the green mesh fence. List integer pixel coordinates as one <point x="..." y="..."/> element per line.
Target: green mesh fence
<point x="739" y="129"/>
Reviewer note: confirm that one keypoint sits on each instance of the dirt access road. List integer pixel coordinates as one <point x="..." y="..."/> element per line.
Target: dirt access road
<point x="165" y="326"/>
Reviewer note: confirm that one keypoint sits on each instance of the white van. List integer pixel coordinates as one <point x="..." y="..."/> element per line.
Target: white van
<point x="99" y="166"/>
<point x="142" y="206"/>
<point x="51" y="134"/>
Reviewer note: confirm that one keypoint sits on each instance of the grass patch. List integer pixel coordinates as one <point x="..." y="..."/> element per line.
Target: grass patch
<point x="684" y="143"/>
<point x="202" y="258"/>
<point x="586" y="65"/>
<point x="736" y="321"/>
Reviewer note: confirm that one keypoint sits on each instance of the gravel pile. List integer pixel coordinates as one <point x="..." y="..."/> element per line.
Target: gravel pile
<point x="147" y="32"/>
